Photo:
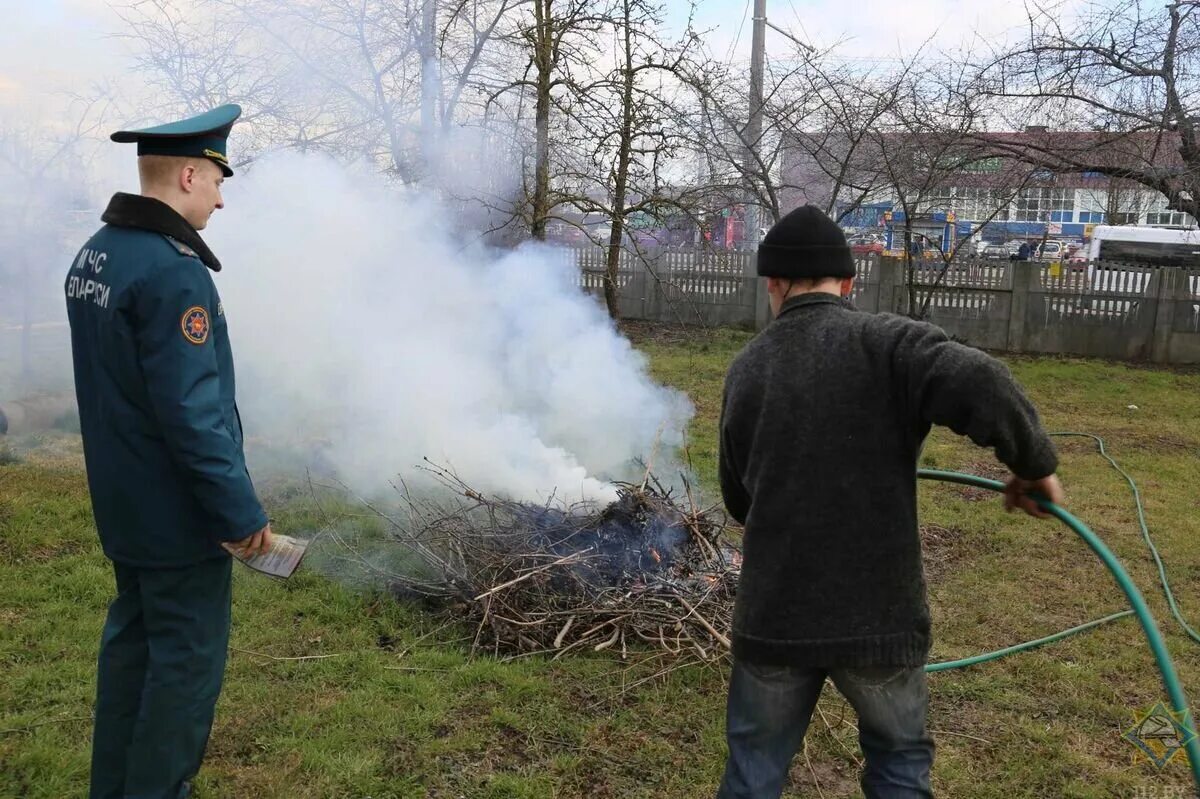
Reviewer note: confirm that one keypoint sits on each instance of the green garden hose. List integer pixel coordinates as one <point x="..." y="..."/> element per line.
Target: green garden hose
<point x="1012" y="650"/>
<point x="1141" y="512"/>
<point x="1153" y="637"/>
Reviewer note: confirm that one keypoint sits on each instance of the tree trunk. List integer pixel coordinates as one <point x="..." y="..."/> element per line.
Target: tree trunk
<point x="911" y="265"/>
<point x="544" y="58"/>
<point x="610" y="267"/>
<point x="1185" y="123"/>
<point x="25" y="382"/>
<point x="621" y="178"/>
<point x="430" y="82"/>
<point x="541" y="175"/>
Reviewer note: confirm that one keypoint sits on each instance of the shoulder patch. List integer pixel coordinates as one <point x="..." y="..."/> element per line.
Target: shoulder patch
<point x="195" y="324"/>
<point x="181" y="247"/>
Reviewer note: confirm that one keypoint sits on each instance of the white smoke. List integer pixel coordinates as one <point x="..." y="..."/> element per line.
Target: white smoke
<point x="361" y="320"/>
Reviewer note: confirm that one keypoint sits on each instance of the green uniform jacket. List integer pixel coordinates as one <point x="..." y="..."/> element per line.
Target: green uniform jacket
<point x="162" y="438"/>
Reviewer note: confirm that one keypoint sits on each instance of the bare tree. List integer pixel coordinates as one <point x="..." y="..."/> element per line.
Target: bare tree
<point x="1125" y="71"/>
<point x="829" y="158"/>
<point x="195" y="57"/>
<point x="377" y="79"/>
<point x="737" y="160"/>
<point x="926" y="147"/>
<point x="498" y="79"/>
<point x="45" y="166"/>
<point x="628" y="125"/>
<point x="356" y="71"/>
<point x="814" y="146"/>
<point x="471" y="55"/>
<point x="558" y="42"/>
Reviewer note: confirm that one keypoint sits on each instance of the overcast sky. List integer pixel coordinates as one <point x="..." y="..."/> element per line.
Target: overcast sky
<point x="868" y="28"/>
<point x="52" y="47"/>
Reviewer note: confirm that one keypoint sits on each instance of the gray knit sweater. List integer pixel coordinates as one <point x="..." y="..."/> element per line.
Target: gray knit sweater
<point x="821" y="427"/>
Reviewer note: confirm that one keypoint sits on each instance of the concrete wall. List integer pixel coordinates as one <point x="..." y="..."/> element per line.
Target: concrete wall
<point x="1122" y="312"/>
<point x="691" y="287"/>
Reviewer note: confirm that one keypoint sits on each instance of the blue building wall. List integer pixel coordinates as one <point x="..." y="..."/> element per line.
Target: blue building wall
<point x="992" y="231"/>
<point x="865" y="216"/>
<point x="894" y="237"/>
<point x="1003" y="231"/>
<point x="873" y="215"/>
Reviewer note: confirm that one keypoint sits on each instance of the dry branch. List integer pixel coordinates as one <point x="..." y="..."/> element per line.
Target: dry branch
<point x="643" y="571"/>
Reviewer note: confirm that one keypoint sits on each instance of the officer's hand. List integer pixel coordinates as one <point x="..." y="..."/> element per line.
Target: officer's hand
<point x="252" y="545"/>
<point x="1017" y="494"/>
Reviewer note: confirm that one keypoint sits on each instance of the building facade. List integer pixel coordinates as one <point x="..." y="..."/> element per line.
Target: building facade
<point x="995" y="197"/>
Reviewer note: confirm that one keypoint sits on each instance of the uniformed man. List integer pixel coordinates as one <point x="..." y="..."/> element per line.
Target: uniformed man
<point x="163" y="445"/>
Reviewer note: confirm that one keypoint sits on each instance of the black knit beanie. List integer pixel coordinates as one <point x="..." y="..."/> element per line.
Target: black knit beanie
<point x="805" y="244"/>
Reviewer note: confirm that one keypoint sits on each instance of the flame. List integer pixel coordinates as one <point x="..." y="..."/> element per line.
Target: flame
<point x="654" y="554"/>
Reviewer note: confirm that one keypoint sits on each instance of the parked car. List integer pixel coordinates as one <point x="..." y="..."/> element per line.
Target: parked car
<point x="1078" y="260"/>
<point x="996" y="252"/>
<point x="864" y="245"/>
<point x="1012" y="245"/>
<point x="1051" y="251"/>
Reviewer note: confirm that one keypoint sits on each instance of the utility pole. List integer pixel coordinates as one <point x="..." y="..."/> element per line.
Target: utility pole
<point x="754" y="125"/>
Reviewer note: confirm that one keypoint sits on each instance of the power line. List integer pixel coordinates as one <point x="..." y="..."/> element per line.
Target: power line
<point x="737" y="39"/>
<point x="799" y="21"/>
<point x="845" y="59"/>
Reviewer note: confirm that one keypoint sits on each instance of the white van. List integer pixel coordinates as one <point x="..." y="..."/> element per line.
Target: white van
<point x="1121" y="259"/>
<point x="1145" y="246"/>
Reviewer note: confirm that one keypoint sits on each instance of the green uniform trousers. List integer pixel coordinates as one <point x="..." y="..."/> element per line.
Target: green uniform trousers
<point x="162" y="659"/>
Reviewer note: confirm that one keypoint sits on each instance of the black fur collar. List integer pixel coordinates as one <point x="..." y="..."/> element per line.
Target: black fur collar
<point x="147" y="213"/>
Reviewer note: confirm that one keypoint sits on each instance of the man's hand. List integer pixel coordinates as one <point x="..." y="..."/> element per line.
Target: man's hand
<point x="252" y="545"/>
<point x="1017" y="494"/>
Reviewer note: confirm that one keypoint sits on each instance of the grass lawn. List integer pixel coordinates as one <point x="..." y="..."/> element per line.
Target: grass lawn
<point x="394" y="706"/>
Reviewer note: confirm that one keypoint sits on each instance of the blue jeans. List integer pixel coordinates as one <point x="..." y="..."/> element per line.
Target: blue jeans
<point x="768" y="714"/>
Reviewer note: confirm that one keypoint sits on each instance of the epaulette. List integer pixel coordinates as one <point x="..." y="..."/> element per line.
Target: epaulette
<point x="183" y="248"/>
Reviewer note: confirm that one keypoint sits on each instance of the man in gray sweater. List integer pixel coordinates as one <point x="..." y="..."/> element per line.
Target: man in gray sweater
<point x="821" y="428"/>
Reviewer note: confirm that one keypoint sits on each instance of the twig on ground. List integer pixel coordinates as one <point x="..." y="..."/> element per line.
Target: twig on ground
<point x="813" y="771"/>
<point x="295" y="657"/>
<point x="555" y="578"/>
<point x="724" y="640"/>
<point x="833" y="734"/>
<point x="961" y="735"/>
<point x="565" y="559"/>
<point x="29" y="727"/>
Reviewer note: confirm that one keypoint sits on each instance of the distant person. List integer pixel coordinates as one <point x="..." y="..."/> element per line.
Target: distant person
<point x="822" y="422"/>
<point x="1024" y="252"/>
<point x="162" y="441"/>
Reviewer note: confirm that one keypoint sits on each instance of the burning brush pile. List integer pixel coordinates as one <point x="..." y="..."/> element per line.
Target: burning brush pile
<point x="641" y="571"/>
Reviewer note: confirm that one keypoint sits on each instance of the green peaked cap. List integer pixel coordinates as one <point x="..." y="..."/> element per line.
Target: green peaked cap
<point x="201" y="136"/>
